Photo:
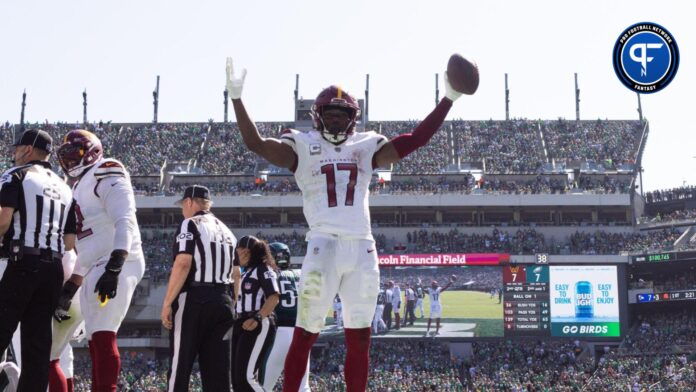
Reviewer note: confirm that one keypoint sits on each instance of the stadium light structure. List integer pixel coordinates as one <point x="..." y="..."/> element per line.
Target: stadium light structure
<point x="577" y="99"/>
<point x="507" y="99"/>
<point x="225" y="94"/>
<point x="84" y="107"/>
<point x="21" y="115"/>
<point x="155" y="96"/>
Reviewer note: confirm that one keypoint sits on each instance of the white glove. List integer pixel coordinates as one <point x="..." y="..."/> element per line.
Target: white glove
<point x="450" y="92"/>
<point x="234" y="85"/>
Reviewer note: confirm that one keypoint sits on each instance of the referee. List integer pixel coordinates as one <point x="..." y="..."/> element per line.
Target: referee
<point x="254" y="329"/>
<point x="37" y="224"/>
<point x="197" y="308"/>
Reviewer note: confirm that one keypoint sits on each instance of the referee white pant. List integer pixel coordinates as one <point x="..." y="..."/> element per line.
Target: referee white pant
<point x="271" y="369"/>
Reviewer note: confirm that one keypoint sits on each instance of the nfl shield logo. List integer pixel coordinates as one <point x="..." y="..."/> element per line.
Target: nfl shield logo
<point x="314" y="149"/>
<point x="316" y="250"/>
<point x="247" y="286"/>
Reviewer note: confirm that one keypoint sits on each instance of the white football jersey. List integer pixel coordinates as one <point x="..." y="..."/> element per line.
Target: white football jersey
<point x="396" y="296"/>
<point x="105" y="209"/>
<point x="434" y="296"/>
<point x="335" y="180"/>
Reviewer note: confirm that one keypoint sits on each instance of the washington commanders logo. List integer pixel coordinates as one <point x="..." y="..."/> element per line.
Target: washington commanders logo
<point x="646" y="57"/>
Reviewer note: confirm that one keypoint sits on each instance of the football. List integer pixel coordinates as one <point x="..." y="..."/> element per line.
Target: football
<point x="454" y="277"/>
<point x="463" y="74"/>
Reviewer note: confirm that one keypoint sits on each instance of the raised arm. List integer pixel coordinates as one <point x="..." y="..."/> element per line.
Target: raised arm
<point x="453" y="278"/>
<point x="402" y="145"/>
<point x="271" y="149"/>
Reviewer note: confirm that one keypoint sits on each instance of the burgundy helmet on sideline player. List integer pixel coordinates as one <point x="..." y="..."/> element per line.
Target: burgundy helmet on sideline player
<point x="330" y="98"/>
<point x="80" y="150"/>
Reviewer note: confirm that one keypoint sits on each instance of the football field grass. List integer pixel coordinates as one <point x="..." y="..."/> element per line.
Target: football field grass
<point x="464" y="314"/>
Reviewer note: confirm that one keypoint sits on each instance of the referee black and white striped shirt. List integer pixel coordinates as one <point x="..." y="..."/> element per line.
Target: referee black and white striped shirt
<point x="211" y="244"/>
<point x="43" y="207"/>
<point x="258" y="283"/>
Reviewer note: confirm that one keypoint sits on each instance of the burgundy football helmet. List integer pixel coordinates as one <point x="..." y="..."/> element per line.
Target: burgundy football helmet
<point x="335" y="97"/>
<point x="80" y="150"/>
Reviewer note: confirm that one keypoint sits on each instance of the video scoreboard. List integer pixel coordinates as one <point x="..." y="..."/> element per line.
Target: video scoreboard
<point x="561" y="301"/>
<point x="526" y="310"/>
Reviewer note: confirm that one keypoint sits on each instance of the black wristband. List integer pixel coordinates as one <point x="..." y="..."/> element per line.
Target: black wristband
<point x="118" y="257"/>
<point x="69" y="289"/>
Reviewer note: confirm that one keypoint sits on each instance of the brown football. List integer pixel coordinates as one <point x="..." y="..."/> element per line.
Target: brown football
<point x="463" y="74"/>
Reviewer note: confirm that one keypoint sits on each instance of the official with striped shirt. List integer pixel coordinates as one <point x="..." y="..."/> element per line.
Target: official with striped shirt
<point x="197" y="308"/>
<point x="254" y="330"/>
<point x="37" y="223"/>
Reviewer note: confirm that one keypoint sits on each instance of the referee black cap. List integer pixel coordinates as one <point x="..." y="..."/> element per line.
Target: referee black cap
<point x="35" y="138"/>
<point x="195" y="191"/>
<point x="247" y="242"/>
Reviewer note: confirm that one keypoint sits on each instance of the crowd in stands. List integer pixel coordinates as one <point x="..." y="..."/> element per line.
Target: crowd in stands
<point x="681" y="193"/>
<point x="158" y="256"/>
<point x="659" y="353"/>
<point x="139" y="373"/>
<point x="643" y="373"/>
<point x="143" y="149"/>
<point x="418" y="366"/>
<point x="423" y="365"/>
<point x="606" y="143"/>
<point x="527" y="366"/>
<point x="461" y="184"/>
<point x="666" y="281"/>
<point x="504" y="146"/>
<point x="604" y="184"/>
<point x="524" y="241"/>
<point x="671" y="217"/>
<point x="224" y="152"/>
<point x="602" y="243"/>
<point x="429" y="159"/>
<point x="662" y="333"/>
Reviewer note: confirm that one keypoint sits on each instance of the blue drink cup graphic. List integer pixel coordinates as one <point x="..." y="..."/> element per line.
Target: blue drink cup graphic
<point x="584" y="307"/>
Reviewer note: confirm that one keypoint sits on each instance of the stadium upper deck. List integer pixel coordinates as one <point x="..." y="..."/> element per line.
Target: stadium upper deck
<point x="491" y="147"/>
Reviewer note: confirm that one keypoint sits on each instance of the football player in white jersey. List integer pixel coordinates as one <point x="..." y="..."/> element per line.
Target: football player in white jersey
<point x="435" y="306"/>
<point x="110" y="260"/>
<point x="333" y="166"/>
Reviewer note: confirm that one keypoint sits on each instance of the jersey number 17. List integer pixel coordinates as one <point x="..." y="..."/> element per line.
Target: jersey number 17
<point x="329" y="170"/>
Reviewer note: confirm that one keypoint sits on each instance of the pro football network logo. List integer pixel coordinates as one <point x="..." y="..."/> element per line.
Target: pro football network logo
<point x="646" y="57"/>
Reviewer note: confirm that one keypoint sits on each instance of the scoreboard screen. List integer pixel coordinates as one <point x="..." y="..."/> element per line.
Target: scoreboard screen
<point x="667" y="296"/>
<point x="561" y="301"/>
<point x="526" y="300"/>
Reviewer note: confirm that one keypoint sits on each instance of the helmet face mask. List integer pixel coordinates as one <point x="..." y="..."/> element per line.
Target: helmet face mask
<point x="281" y="254"/>
<point x="329" y="114"/>
<point x="80" y="151"/>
